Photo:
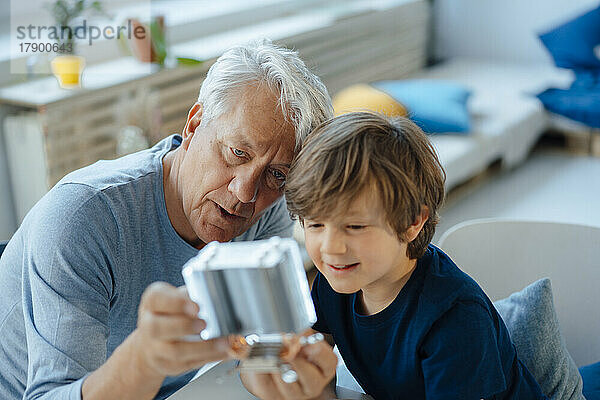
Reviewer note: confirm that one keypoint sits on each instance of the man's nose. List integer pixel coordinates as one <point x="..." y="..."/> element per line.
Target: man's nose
<point x="333" y="242"/>
<point x="245" y="184"/>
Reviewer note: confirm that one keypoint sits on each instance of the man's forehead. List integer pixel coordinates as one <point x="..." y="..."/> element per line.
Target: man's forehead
<point x="256" y="121"/>
<point x="260" y="141"/>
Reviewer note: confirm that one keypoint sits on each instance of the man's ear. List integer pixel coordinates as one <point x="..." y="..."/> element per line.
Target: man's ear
<point x="194" y="119"/>
<point x="413" y="231"/>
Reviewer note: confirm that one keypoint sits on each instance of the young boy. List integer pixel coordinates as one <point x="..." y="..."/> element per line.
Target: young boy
<point x="407" y="322"/>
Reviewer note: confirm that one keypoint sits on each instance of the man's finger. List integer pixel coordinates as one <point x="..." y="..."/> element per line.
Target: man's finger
<point x="163" y="298"/>
<point x="202" y="351"/>
<point x="170" y="327"/>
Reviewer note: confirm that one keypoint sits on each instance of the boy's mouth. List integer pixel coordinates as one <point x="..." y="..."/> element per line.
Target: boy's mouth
<point x="342" y="267"/>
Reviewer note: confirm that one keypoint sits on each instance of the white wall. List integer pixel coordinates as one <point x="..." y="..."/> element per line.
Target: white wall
<point x="8" y="223"/>
<point x="500" y="30"/>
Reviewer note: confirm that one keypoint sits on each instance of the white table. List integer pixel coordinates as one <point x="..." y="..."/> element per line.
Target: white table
<point x="222" y="382"/>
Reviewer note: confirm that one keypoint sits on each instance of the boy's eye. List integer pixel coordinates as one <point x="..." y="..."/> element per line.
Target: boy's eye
<point x="238" y="152"/>
<point x="314" y="225"/>
<point x="356" y="227"/>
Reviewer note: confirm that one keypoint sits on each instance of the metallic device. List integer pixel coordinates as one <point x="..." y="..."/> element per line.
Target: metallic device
<point x="257" y="290"/>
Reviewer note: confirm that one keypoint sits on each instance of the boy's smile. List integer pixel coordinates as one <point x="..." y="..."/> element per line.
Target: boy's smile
<point x="358" y="250"/>
<point x="344" y="267"/>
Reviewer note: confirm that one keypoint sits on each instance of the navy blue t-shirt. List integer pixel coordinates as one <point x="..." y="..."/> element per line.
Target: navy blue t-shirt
<point x="441" y="338"/>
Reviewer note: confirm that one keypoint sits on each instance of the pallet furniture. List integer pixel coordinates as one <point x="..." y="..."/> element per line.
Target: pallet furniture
<point x="52" y="131"/>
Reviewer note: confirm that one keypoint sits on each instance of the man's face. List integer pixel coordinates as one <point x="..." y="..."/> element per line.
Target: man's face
<point x="235" y="166"/>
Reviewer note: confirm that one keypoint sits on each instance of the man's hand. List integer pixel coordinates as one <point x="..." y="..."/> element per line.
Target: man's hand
<point x="315" y="365"/>
<point x="165" y="316"/>
<point x="156" y="348"/>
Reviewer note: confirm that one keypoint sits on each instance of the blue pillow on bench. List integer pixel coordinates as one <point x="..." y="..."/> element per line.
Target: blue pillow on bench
<point x="576" y="43"/>
<point x="581" y="102"/>
<point x="436" y="106"/>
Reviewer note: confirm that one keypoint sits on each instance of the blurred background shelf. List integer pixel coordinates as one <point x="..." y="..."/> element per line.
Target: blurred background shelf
<point x="49" y="132"/>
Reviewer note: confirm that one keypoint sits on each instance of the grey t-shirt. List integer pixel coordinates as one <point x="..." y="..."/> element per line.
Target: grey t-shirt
<point x="72" y="276"/>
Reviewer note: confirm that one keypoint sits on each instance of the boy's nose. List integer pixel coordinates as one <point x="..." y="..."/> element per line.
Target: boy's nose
<point x="333" y="243"/>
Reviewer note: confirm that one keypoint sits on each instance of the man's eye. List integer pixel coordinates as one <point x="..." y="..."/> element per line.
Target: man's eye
<point x="275" y="179"/>
<point x="278" y="175"/>
<point x="238" y="152"/>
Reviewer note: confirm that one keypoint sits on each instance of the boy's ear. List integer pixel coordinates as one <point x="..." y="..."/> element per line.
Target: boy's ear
<point x="194" y="119"/>
<point x="413" y="231"/>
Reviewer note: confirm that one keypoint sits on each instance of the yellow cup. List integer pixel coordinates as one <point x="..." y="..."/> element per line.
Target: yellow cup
<point x="67" y="70"/>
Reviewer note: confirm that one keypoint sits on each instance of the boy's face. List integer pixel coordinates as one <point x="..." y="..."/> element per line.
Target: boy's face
<point x="358" y="250"/>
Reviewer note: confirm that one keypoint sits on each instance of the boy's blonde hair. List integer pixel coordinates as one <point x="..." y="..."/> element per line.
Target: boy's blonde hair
<point x="359" y="151"/>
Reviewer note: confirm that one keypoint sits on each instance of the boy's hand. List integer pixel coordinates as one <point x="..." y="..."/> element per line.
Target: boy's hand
<point x="315" y="365"/>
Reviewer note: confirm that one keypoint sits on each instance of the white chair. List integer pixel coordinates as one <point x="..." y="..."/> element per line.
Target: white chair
<point x="505" y="256"/>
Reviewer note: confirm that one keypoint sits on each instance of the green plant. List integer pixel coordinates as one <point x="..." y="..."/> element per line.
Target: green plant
<point x="159" y="45"/>
<point x="64" y="12"/>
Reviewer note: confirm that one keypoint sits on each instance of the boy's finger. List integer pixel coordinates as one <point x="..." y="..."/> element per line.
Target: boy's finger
<point x="310" y="377"/>
<point x="288" y="390"/>
<point x="321" y="355"/>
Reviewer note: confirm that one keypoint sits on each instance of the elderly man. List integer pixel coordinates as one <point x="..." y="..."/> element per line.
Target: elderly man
<point x="80" y="316"/>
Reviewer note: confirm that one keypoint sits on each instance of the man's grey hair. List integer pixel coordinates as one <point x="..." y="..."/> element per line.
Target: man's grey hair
<point x="302" y="96"/>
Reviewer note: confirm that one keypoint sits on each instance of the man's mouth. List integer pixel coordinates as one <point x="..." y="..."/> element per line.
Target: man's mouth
<point x="229" y="215"/>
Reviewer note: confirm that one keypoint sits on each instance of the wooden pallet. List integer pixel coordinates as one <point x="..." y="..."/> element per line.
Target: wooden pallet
<point x="78" y="128"/>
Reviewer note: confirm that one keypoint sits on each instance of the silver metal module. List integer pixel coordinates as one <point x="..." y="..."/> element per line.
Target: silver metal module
<point x="247" y="288"/>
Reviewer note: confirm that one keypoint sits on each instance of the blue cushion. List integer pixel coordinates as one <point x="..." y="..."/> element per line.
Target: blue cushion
<point x="533" y="326"/>
<point x="591" y="381"/>
<point x="575" y="44"/>
<point x="579" y="104"/>
<point x="436" y="106"/>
